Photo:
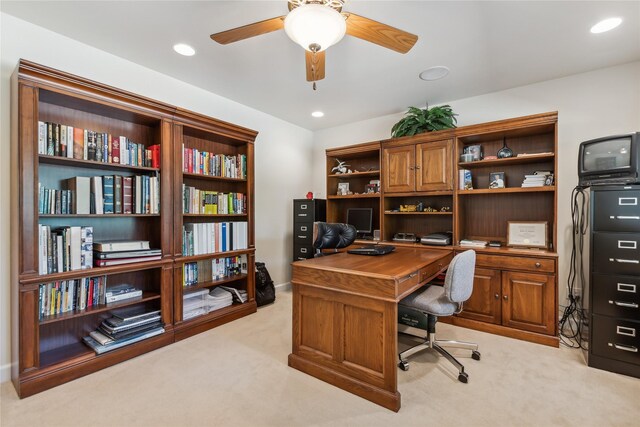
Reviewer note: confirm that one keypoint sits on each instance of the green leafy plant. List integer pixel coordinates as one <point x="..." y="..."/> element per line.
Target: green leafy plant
<point x="419" y="120"/>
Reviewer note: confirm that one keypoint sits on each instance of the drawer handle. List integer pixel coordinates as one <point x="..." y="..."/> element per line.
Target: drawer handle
<point x="627" y="201"/>
<point x="301" y="259"/>
<point x="624" y="304"/>
<point x="302" y="237"/>
<point x="304" y="207"/>
<point x="627" y="217"/>
<point x="303" y="228"/>
<point x="303" y="250"/>
<point x="627" y="244"/>
<point x="497" y="296"/>
<point x="627" y="287"/>
<point x="300" y="214"/>
<point x="410" y="276"/>
<point x="538" y="265"/>
<point x="506" y="297"/>
<point x="623" y="330"/>
<point x="625" y="261"/>
<point x="630" y="348"/>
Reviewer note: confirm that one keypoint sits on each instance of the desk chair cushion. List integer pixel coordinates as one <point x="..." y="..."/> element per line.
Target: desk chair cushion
<point x="333" y="235"/>
<point x="460" y="273"/>
<point x="432" y="300"/>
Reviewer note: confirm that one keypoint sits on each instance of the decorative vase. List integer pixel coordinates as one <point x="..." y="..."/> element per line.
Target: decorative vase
<point x="505" y="152"/>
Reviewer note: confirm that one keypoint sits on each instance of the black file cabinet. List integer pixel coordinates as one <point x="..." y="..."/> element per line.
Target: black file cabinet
<point x="305" y="212"/>
<point x="614" y="288"/>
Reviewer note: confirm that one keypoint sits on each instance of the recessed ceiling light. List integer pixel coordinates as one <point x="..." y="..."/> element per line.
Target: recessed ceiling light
<point x="606" y="25"/>
<point x="317" y="114"/>
<point x="184" y="49"/>
<point x="434" y="73"/>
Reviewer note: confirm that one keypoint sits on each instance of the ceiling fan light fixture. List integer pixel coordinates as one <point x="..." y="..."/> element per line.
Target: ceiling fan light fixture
<point x="315" y="25"/>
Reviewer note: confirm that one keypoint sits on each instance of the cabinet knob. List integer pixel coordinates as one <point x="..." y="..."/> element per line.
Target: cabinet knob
<point x="506" y="297"/>
<point x="417" y="167"/>
<point x="497" y="296"/>
<point x="411" y="168"/>
<point x="538" y="265"/>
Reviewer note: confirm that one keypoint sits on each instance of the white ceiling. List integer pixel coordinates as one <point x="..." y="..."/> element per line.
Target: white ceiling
<point x="488" y="46"/>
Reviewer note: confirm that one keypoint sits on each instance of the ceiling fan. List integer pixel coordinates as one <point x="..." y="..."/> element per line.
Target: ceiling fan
<point x="317" y="24"/>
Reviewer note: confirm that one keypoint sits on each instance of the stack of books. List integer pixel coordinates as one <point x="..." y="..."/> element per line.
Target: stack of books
<point x="203" y="301"/>
<point x="473" y="243"/>
<point x="122" y="292"/>
<point x="538" y="179"/>
<point x="117" y="252"/>
<point x="126" y="326"/>
<point x="239" y="295"/>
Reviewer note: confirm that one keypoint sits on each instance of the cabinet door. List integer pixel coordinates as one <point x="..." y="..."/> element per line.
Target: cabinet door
<point x="484" y="303"/>
<point x="528" y="302"/>
<point x="399" y="167"/>
<point x="434" y="166"/>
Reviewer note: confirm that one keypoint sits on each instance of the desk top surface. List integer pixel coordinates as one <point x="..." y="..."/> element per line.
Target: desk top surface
<point x="394" y="265"/>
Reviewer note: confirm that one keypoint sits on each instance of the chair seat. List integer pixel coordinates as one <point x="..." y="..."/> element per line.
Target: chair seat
<point x="431" y="300"/>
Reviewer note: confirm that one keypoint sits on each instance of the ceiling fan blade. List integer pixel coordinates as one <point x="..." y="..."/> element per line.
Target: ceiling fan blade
<point x="315" y="65"/>
<point x="379" y="33"/>
<point x="250" y="30"/>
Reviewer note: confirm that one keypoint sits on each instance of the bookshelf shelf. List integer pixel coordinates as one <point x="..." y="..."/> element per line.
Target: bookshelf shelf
<point x="355" y="196"/>
<point x="99" y="215"/>
<point x="193" y="258"/>
<point x="532" y="158"/>
<point x="65" y="161"/>
<point x="550" y="188"/>
<point x="212" y="177"/>
<point x="146" y="296"/>
<point x="417" y="213"/>
<point x="217" y="282"/>
<point x="214" y="215"/>
<point x="354" y="174"/>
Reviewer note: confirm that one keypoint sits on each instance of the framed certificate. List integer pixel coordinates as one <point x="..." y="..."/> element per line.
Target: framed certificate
<point x="528" y="234"/>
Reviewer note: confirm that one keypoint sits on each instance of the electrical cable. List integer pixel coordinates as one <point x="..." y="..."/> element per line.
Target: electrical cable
<point x="574" y="317"/>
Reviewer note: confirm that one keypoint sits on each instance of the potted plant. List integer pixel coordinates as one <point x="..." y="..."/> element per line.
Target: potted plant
<point x="418" y="120"/>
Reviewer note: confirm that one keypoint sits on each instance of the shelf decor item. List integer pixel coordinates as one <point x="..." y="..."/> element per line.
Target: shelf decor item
<point x="505" y="152"/>
<point x="418" y="120"/>
<point x="496" y="180"/>
<point x="528" y="234"/>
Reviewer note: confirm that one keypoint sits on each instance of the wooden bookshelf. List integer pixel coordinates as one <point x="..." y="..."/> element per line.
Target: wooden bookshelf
<point x="49" y="348"/>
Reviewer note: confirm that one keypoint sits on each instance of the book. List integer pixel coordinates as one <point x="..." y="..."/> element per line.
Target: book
<point x="91" y="144"/>
<point x="474" y="243"/>
<point x="127" y="333"/>
<point x="42" y="138"/>
<point x="127" y="254"/>
<point x="108" y="262"/>
<point x="81" y="186"/>
<point x="78" y="144"/>
<point x="122" y="297"/>
<point x="96" y="195"/>
<point x="127" y="195"/>
<point x="115" y="324"/>
<point x="117" y="194"/>
<point x="115" y="149"/>
<point x="133" y="313"/>
<point x="99" y="348"/>
<point x="108" y="193"/>
<point x="120" y="245"/>
<point x="120" y="289"/>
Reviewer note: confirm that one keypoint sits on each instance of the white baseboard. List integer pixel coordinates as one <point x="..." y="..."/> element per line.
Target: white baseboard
<point x="5" y="373"/>
<point x="286" y="286"/>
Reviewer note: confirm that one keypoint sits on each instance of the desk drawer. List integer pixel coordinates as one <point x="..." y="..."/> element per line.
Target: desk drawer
<point x="617" y="253"/>
<point x="427" y="272"/>
<point x="616" y="339"/>
<point x="303" y="233"/>
<point x="616" y="211"/>
<point x="617" y="296"/>
<point x="504" y="262"/>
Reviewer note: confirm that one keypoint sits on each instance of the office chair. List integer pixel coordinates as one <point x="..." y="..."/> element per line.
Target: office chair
<point x="435" y="301"/>
<point x="332" y="236"/>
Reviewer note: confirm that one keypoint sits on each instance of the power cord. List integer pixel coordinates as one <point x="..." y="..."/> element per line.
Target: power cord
<point x="574" y="317"/>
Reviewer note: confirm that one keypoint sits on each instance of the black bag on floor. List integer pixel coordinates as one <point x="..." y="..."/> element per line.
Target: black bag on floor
<point x="265" y="291"/>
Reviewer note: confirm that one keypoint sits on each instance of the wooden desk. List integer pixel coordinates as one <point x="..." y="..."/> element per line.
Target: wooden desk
<point x="345" y="317"/>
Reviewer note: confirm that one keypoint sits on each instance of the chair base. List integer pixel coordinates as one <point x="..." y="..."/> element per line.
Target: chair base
<point x="437" y="345"/>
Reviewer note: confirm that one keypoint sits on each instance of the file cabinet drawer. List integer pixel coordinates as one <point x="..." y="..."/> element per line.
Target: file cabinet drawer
<point x="301" y="252"/>
<point x="303" y="233"/>
<point x="544" y="265"/>
<point x="309" y="210"/>
<point x="616" y="295"/>
<point x="616" y="338"/>
<point x="617" y="253"/>
<point x="616" y="211"/>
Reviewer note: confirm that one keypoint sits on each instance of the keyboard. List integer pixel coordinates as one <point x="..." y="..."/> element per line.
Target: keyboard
<point x="372" y="250"/>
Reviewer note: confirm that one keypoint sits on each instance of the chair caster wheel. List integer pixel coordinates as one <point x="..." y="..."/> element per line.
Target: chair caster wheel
<point x="475" y="355"/>
<point x="403" y="365"/>
<point x="463" y="377"/>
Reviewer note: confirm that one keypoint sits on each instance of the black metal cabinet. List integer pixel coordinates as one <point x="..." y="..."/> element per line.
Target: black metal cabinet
<point x="305" y="213"/>
<point x="614" y="291"/>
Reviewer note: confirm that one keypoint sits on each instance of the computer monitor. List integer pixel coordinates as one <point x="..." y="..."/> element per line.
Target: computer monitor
<point x="361" y="219"/>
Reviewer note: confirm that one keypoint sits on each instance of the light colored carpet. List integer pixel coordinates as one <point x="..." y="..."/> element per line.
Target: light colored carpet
<point x="237" y="375"/>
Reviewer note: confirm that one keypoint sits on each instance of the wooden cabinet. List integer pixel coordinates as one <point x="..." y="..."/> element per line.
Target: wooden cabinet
<point x="140" y="145"/>
<point x="419" y="167"/>
<point x="485" y="303"/>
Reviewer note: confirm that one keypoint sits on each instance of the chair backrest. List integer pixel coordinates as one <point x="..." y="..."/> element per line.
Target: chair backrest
<point x="332" y="235"/>
<point x="458" y="284"/>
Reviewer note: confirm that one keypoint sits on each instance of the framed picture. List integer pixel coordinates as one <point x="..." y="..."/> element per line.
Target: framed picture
<point x="496" y="180"/>
<point x="343" y="188"/>
<point x="371" y="188"/>
<point x="528" y="234"/>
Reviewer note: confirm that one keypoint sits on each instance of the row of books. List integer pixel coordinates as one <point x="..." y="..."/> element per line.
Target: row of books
<point x="64" y="248"/>
<point x="208" y="238"/>
<point x="125" y="326"/>
<point x="205" y="163"/>
<point x="203" y="301"/>
<point x="196" y="201"/>
<point x="219" y="268"/>
<point x="124" y="252"/>
<point x="59" y="140"/>
<point x="69" y="295"/>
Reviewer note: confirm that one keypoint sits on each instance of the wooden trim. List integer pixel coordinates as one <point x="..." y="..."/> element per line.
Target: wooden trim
<point x="209" y="124"/>
<point x="364" y="148"/>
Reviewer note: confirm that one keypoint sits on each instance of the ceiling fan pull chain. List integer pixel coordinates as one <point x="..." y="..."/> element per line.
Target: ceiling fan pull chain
<point x="314" y="85"/>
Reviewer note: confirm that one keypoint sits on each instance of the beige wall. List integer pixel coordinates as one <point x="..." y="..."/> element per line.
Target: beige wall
<point x="282" y="149"/>
<point x="598" y="103"/>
